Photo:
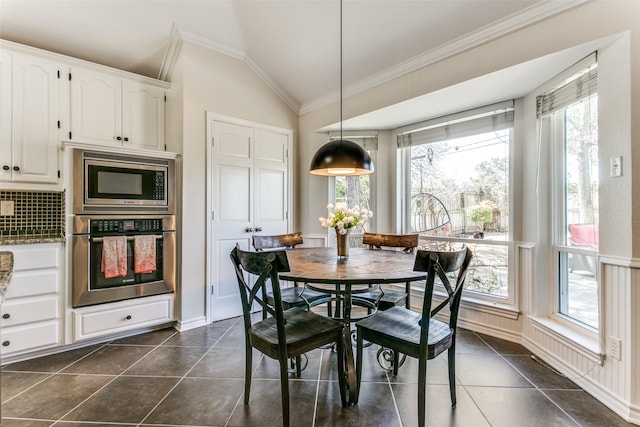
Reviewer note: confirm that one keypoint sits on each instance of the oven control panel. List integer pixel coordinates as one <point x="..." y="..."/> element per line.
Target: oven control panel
<point x="124" y="225"/>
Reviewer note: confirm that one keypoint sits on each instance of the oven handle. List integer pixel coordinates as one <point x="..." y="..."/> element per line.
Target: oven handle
<point x="129" y="238"/>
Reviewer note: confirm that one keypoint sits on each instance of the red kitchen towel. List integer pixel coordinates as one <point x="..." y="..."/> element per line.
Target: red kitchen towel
<point x="114" y="256"/>
<point x="144" y="254"/>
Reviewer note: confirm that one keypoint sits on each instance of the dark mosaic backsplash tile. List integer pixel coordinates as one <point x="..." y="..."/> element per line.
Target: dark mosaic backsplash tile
<point x="37" y="214"/>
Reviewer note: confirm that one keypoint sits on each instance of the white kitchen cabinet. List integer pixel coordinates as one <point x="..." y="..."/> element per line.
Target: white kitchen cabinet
<point x="110" y="110"/>
<point x="30" y="317"/>
<point x="31" y="117"/>
<point x="106" y="319"/>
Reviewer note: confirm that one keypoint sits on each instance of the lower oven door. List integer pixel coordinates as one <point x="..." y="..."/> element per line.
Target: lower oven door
<point x="90" y="286"/>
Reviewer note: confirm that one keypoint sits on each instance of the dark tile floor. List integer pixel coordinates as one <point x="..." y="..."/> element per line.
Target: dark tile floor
<point x="195" y="378"/>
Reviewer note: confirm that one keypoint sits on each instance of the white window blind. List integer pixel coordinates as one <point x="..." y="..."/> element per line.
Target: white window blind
<point x="485" y="119"/>
<point x="574" y="84"/>
<point x="368" y="141"/>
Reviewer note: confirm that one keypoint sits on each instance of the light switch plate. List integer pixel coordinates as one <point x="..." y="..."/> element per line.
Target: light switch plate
<point x="6" y="208"/>
<point x="616" y="167"/>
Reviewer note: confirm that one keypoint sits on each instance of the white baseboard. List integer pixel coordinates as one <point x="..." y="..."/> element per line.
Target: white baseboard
<point x="185" y="325"/>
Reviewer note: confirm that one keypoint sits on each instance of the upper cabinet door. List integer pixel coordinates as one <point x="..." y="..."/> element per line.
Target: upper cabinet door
<point x="96" y="107"/>
<point x="34" y="119"/>
<point x="142" y="115"/>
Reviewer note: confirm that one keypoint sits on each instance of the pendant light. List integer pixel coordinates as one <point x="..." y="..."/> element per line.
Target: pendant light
<point x="341" y="157"/>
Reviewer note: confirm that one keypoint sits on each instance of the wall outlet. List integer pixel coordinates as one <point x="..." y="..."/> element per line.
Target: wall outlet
<point x="6" y="208"/>
<point x="615" y="350"/>
<point x="616" y="167"/>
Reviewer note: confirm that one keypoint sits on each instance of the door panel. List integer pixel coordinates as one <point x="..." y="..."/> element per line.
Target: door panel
<point x="234" y="193"/>
<point x="270" y="193"/>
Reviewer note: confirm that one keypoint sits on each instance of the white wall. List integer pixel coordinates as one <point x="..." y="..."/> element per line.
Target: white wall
<point x="616" y="383"/>
<point x="217" y="83"/>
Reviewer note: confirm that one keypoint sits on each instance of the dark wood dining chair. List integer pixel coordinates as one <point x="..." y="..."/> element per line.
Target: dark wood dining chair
<point x="420" y="335"/>
<point x="296" y="296"/>
<point x="287" y="333"/>
<point x="389" y="297"/>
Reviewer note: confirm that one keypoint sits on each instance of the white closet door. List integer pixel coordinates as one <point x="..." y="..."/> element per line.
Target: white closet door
<point x="248" y="193"/>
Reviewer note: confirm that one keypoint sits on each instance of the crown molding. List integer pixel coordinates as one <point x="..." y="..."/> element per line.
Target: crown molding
<point x="171" y="53"/>
<point x="469" y="41"/>
<point x="292" y="103"/>
<point x="179" y="35"/>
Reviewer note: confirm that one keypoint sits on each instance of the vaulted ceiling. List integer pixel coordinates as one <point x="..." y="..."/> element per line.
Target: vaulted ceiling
<point x="294" y="44"/>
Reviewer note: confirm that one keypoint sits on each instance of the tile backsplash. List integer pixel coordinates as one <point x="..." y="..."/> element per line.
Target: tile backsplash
<point x="36" y="214"/>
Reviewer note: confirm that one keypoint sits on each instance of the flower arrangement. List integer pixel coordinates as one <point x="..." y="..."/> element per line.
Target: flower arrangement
<point x="343" y="218"/>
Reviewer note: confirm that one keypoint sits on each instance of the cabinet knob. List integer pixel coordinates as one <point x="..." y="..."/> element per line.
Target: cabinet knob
<point x="258" y="229"/>
<point x="128" y="317"/>
<point x="5" y="167"/>
<point x="119" y="138"/>
<point x="6" y="316"/>
<point x="16" y="168"/>
<point x="6" y="343"/>
<point x="126" y="139"/>
<point x="248" y="229"/>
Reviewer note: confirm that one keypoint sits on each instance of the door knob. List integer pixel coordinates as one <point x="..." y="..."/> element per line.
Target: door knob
<point x="258" y="229"/>
<point x="6" y="316"/>
<point x="119" y="138"/>
<point x="5" y="167"/>
<point x="16" y="168"/>
<point x="248" y="229"/>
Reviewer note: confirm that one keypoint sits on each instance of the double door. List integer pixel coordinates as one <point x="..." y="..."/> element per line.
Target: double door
<point x="249" y="194"/>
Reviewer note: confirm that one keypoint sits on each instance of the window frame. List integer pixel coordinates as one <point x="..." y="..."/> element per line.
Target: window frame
<point x="505" y="306"/>
<point x="559" y="222"/>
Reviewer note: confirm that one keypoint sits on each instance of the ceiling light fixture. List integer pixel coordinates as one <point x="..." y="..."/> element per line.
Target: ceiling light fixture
<point x="341" y="157"/>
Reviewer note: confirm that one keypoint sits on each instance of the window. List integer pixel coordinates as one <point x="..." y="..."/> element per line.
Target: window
<point x="456" y="189"/>
<point x="571" y="112"/>
<point x="357" y="190"/>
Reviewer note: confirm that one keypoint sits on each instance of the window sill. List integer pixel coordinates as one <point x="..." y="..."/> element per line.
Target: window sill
<point x="483" y="306"/>
<point x="581" y="343"/>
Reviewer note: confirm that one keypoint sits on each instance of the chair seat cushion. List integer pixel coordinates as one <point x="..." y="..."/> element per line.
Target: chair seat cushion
<point x="390" y="298"/>
<point x="399" y="328"/>
<point x="304" y="330"/>
<point x="299" y="297"/>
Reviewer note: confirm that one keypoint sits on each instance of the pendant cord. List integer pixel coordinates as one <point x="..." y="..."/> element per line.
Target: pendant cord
<point x="341" y="70"/>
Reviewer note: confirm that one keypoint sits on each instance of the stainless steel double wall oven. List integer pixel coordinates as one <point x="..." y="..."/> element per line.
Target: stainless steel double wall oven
<point x="121" y="195"/>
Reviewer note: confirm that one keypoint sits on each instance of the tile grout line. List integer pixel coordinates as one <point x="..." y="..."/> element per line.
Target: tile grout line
<point x="185" y="375"/>
<point x="50" y="374"/>
<point x="527" y="378"/>
<point x="393" y="398"/>
<point x="315" y="404"/>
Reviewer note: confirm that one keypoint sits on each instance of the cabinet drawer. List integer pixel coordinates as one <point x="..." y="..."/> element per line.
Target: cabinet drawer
<point x="32" y="283"/>
<point x="111" y="318"/>
<point x="22" y="311"/>
<point x="30" y="337"/>
<point x="35" y="257"/>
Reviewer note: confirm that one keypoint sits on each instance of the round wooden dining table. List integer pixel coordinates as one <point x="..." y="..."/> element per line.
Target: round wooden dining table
<point x="321" y="269"/>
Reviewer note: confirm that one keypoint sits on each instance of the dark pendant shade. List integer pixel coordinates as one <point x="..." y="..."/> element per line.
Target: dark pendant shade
<point x="341" y="157"/>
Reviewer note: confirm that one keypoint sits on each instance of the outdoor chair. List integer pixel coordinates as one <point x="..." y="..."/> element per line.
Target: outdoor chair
<point x="420" y="335"/>
<point x="287" y="333"/>
<point x="584" y="236"/>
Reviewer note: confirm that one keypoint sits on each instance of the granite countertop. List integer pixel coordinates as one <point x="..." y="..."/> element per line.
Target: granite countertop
<point x="22" y="240"/>
<point x="6" y="271"/>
